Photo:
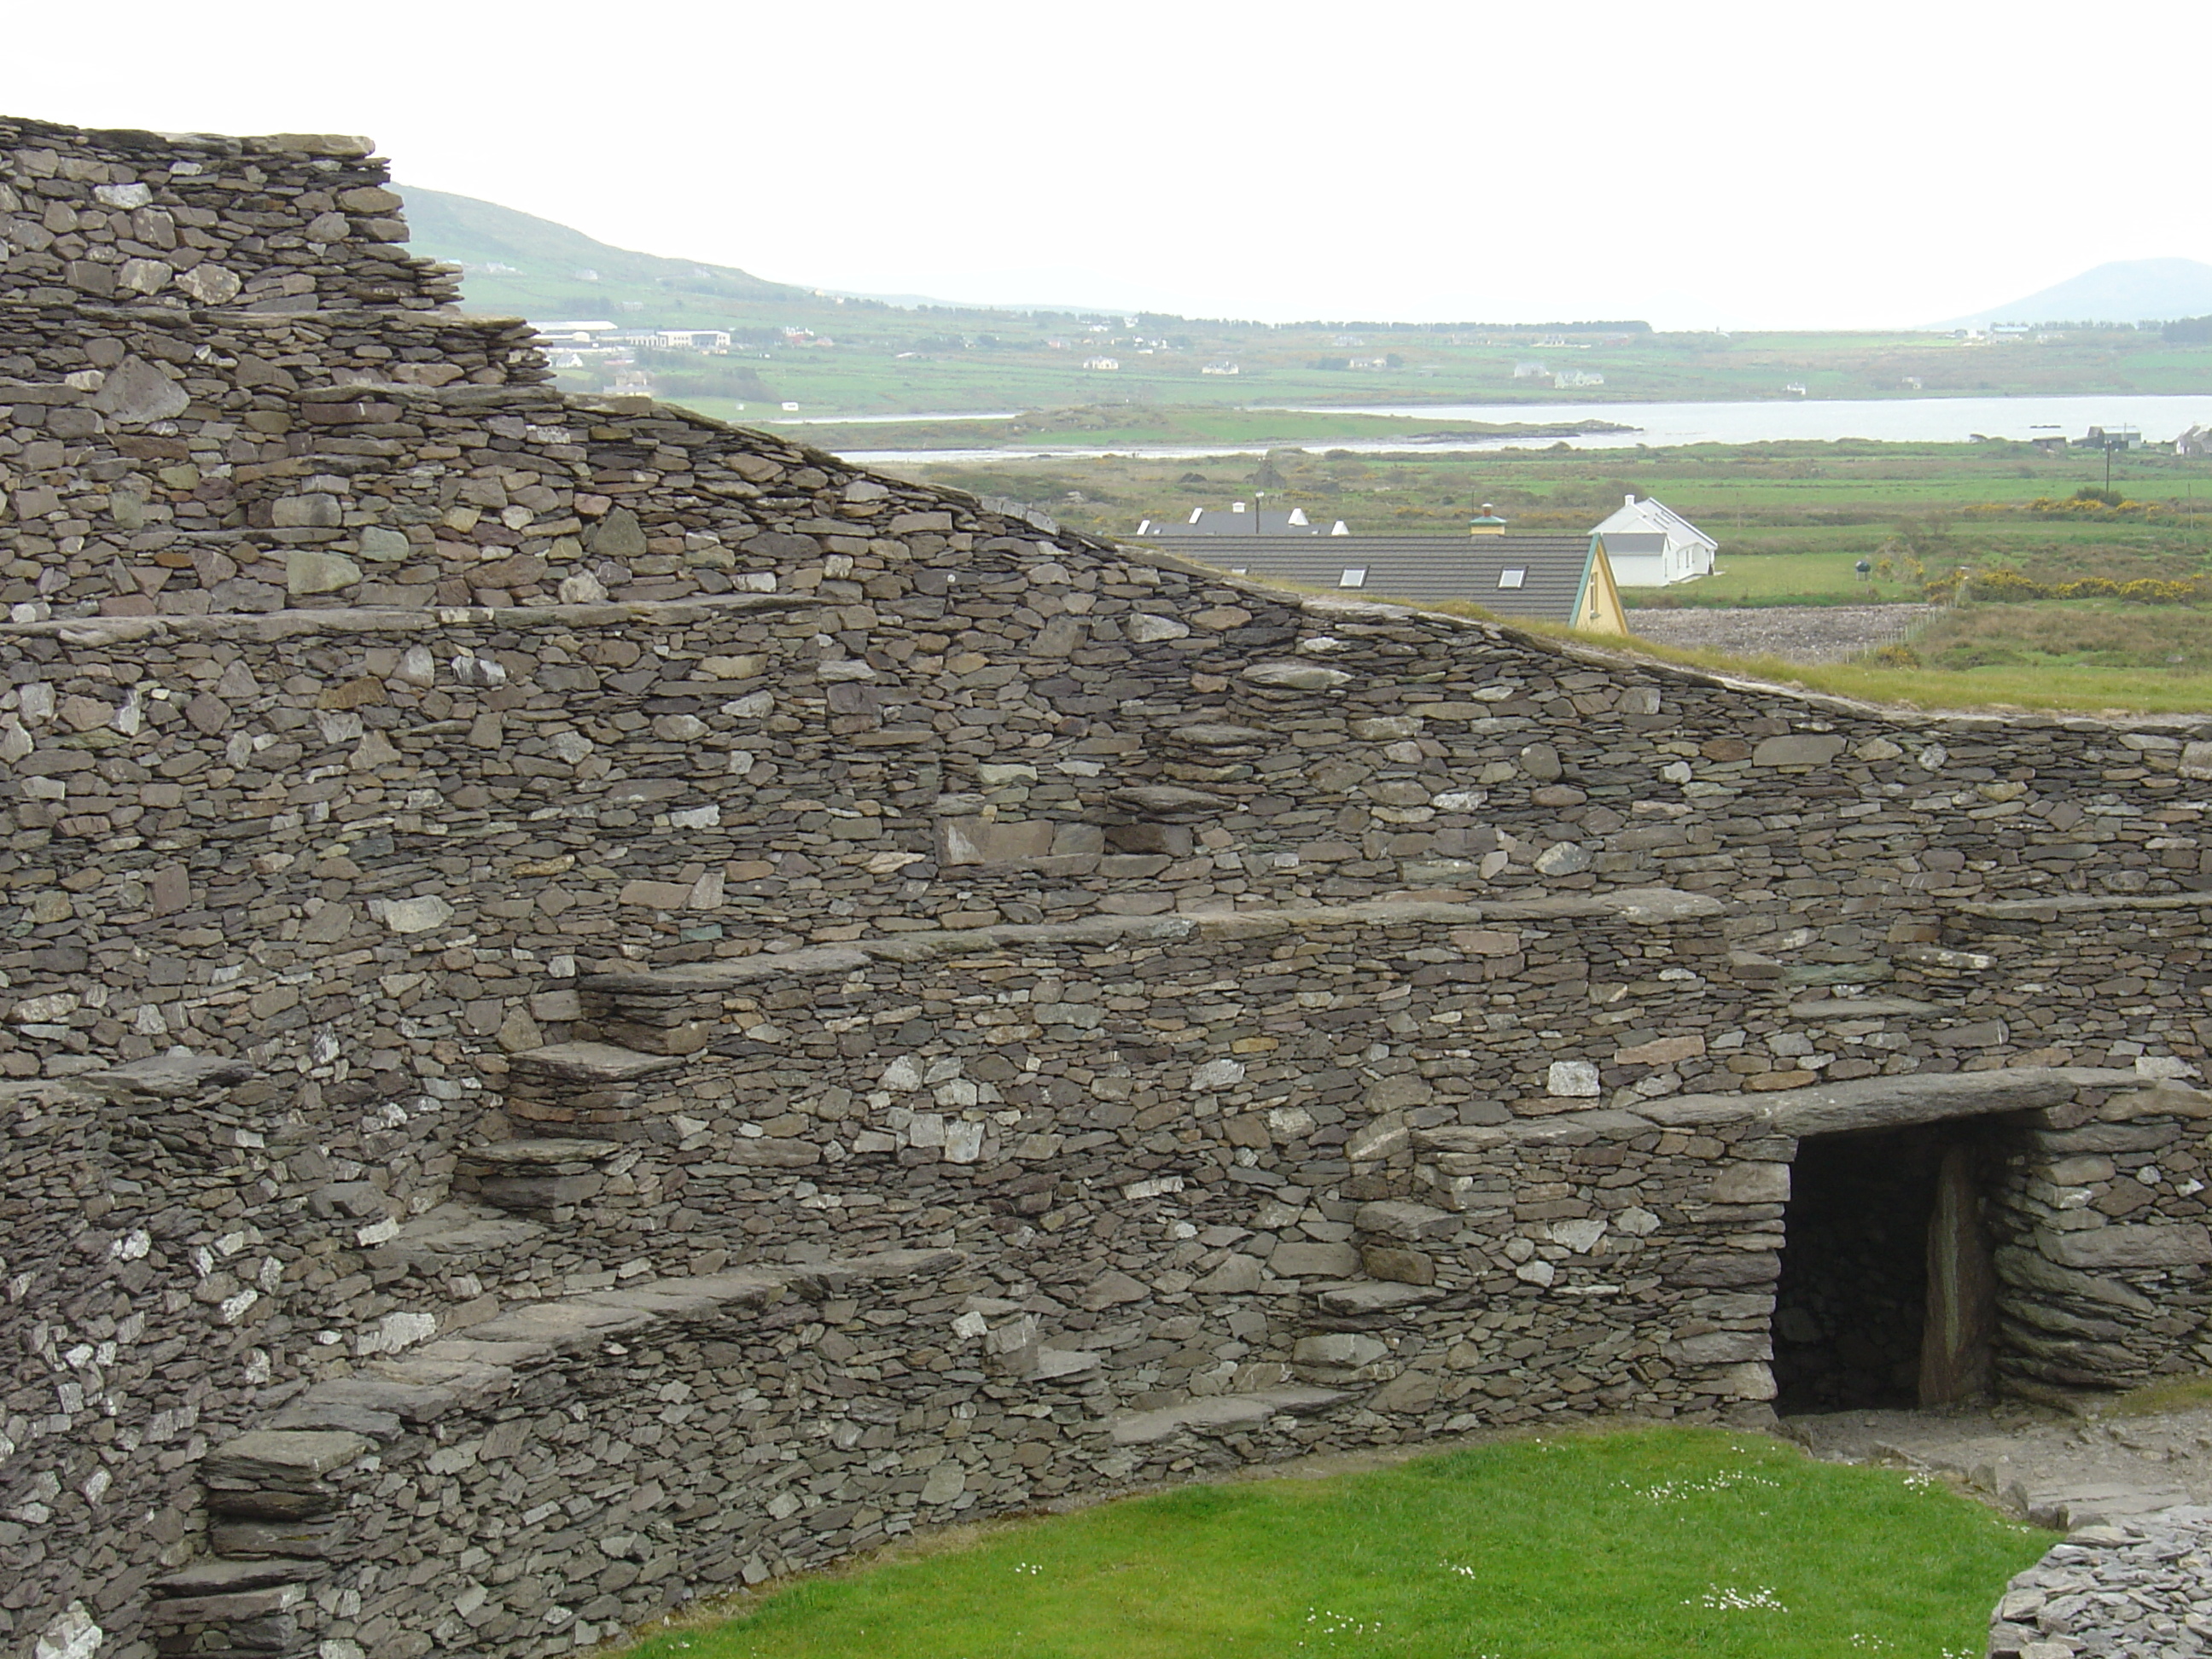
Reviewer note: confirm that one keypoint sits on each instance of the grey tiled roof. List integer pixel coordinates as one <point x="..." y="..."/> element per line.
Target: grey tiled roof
<point x="1416" y="567"/>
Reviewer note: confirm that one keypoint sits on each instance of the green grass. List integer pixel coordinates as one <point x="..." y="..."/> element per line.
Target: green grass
<point x="1755" y="578"/>
<point x="1586" y="1547"/>
<point x="2180" y="1393"/>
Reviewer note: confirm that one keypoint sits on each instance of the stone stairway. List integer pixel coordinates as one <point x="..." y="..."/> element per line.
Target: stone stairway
<point x="280" y="1497"/>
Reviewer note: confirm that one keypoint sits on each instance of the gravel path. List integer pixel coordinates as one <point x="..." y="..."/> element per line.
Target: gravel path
<point x="2038" y="1465"/>
<point x="1795" y="633"/>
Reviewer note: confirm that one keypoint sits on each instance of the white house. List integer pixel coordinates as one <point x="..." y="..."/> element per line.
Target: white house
<point x="1650" y="545"/>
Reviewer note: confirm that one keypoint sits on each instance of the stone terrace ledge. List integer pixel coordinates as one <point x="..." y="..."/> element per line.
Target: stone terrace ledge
<point x="2059" y="905"/>
<point x="91" y="632"/>
<point x="1644" y="906"/>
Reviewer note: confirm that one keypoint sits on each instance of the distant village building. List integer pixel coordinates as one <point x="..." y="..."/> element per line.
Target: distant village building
<point x="2197" y="440"/>
<point x="694" y="339"/>
<point x="1529" y="371"/>
<point x="1567" y="379"/>
<point x="1556" y="579"/>
<point x="573" y="334"/>
<point x="1102" y="363"/>
<point x="1651" y="545"/>
<point x="1220" y="368"/>
<point x="1236" y="520"/>
<point x="669" y="340"/>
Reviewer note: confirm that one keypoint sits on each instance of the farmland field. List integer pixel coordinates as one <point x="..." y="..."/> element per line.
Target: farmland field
<point x="1793" y="522"/>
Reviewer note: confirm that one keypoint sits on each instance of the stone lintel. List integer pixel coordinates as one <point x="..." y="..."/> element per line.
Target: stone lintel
<point x="1878" y="1103"/>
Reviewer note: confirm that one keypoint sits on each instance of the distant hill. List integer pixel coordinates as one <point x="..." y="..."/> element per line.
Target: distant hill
<point x="519" y="262"/>
<point x="2124" y="291"/>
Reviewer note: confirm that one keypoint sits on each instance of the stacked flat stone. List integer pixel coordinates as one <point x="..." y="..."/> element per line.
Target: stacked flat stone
<point x="2134" y="1589"/>
<point x="586" y="851"/>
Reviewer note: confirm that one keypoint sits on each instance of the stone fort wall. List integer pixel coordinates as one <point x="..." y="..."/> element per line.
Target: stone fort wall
<point x="602" y="1006"/>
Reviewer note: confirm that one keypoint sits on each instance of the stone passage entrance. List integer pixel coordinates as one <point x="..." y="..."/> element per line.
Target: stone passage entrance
<point x="1886" y="1296"/>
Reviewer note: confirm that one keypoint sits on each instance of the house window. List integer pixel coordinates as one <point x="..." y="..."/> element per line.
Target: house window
<point x="1355" y="577"/>
<point x="1513" y="576"/>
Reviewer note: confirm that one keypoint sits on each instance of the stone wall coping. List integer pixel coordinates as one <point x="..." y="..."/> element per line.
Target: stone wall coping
<point x="218" y="143"/>
<point x="1884" y="1101"/>
<point x="1644" y="906"/>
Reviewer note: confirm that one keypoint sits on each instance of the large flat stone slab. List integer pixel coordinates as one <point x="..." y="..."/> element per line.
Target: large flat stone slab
<point x="592" y="1062"/>
<point x="1881" y="1103"/>
<point x="1222" y="1411"/>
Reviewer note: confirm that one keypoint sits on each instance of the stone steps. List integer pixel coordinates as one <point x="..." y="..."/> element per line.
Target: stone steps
<point x="522" y="1177"/>
<point x="275" y="1517"/>
<point x="587" y="1090"/>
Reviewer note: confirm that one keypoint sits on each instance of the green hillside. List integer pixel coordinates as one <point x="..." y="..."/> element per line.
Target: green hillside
<point x="550" y="269"/>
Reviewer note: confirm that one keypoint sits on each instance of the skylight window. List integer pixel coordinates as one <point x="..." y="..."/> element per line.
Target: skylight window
<point x="1513" y="576"/>
<point x="1355" y="577"/>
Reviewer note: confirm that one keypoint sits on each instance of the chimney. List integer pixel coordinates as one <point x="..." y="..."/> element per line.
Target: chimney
<point x="1632" y="499"/>
<point x="1489" y="524"/>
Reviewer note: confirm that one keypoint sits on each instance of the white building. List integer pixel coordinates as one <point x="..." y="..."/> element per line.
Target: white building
<point x="1106" y="364"/>
<point x="1650" y="545"/>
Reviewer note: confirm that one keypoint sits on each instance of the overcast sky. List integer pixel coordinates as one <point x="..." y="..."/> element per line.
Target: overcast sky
<point x="1699" y="164"/>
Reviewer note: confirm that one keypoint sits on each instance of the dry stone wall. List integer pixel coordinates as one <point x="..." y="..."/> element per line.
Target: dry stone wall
<point x="600" y="1006"/>
<point x="294" y="222"/>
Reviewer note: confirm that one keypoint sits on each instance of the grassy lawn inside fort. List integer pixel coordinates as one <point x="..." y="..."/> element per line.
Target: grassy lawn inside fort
<point x="1635" y="1545"/>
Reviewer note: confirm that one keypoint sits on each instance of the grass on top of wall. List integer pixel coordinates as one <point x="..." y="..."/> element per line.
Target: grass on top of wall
<point x="1648" y="1544"/>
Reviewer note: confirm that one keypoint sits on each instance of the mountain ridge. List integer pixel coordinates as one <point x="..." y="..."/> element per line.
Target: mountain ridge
<point x="2118" y="291"/>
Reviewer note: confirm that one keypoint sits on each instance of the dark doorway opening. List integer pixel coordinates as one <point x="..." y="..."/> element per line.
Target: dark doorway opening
<point x="1886" y="1296"/>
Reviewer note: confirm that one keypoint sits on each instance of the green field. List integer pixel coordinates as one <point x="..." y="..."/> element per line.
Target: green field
<point x="1793" y="521"/>
<point x="1949" y="503"/>
<point x="1645" y="1545"/>
<point x="852" y="356"/>
<point x="886" y="360"/>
